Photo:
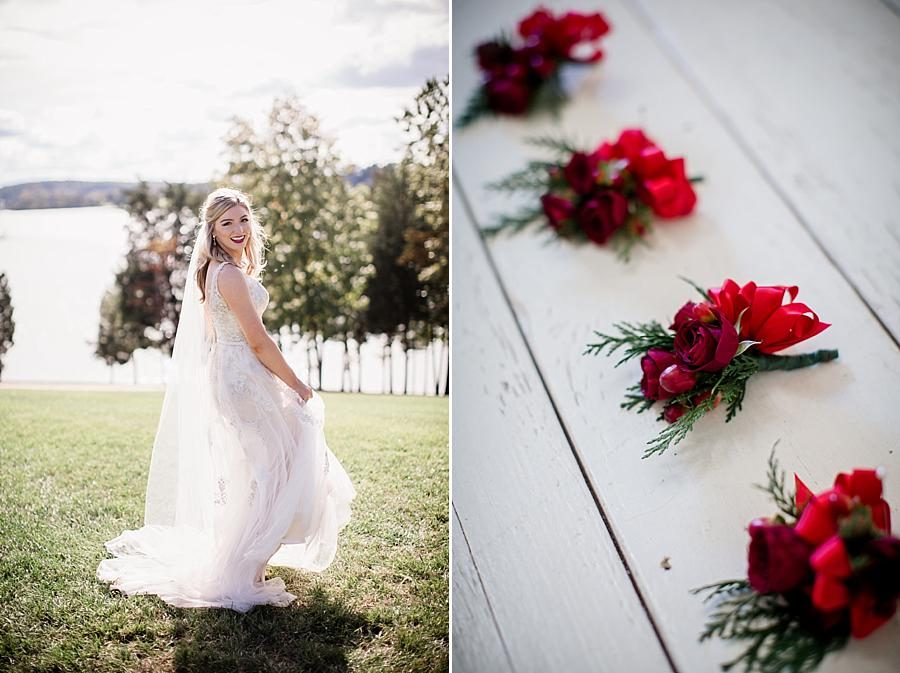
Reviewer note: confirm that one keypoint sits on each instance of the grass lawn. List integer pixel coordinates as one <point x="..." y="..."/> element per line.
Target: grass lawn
<point x="73" y="469"/>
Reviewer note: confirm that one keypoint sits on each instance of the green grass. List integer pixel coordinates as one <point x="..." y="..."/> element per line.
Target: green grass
<point x="73" y="469"/>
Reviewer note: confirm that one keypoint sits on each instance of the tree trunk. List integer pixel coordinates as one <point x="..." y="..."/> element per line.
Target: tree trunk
<point x="359" y="346"/>
<point x="447" y="383"/>
<point x="346" y="378"/>
<point x="438" y="367"/>
<point x="320" y="359"/>
<point x="405" y="367"/>
<point x="390" y="371"/>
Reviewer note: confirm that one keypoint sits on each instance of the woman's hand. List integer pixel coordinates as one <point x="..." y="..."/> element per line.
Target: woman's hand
<point x="303" y="390"/>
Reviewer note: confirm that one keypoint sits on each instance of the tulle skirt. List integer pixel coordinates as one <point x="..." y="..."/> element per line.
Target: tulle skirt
<point x="275" y="490"/>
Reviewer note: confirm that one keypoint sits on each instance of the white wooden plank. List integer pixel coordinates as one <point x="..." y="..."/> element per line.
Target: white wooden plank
<point x="812" y="89"/>
<point x="692" y="504"/>
<point x="559" y="591"/>
<point x="476" y="643"/>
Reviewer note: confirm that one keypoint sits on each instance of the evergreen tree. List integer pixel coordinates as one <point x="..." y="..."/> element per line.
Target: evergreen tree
<point x="7" y="324"/>
<point x="427" y="247"/>
<point x="395" y="305"/>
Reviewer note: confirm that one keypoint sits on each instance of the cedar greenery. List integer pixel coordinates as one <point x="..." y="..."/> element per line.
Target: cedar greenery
<point x="778" y="639"/>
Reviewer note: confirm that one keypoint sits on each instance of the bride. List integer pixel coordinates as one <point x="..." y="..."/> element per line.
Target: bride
<point x="240" y="474"/>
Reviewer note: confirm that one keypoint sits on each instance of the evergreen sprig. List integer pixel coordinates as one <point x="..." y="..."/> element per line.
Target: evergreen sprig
<point x="561" y="145"/>
<point x="476" y="107"/>
<point x="533" y="178"/>
<point x="673" y="433"/>
<point x="516" y="222"/>
<point x="777" y="638"/>
<point x="635" y="338"/>
<point x="635" y="400"/>
<point x="778" y="491"/>
<point x="730" y="384"/>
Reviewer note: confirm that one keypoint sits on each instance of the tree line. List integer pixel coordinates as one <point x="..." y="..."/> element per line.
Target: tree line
<point x="344" y="260"/>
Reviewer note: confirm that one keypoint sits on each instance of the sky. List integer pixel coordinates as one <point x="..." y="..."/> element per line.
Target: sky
<point x="128" y="89"/>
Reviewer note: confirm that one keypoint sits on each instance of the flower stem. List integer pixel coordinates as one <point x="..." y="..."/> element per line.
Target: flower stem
<point x="768" y="363"/>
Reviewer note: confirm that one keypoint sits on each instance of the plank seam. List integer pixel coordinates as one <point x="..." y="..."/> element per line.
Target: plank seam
<point x="893" y="6"/>
<point x="643" y="16"/>
<point x="483" y="592"/>
<point x="569" y="440"/>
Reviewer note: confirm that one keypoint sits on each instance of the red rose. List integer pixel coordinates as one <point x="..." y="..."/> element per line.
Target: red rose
<point x="556" y="209"/>
<point x="630" y="144"/>
<point x="865" y="486"/>
<point x="508" y="95"/>
<point x="602" y="214"/>
<point x="818" y="521"/>
<point x="778" y="558"/>
<point x="820" y="514"/>
<point x="559" y="38"/>
<point x="653" y="364"/>
<point x="878" y="585"/>
<point x="703" y="340"/>
<point x="764" y="316"/>
<point x="581" y="172"/>
<point x="494" y="56"/>
<point x="667" y="191"/>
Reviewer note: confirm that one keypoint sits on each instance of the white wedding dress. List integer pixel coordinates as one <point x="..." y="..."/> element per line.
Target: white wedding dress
<point x="264" y="487"/>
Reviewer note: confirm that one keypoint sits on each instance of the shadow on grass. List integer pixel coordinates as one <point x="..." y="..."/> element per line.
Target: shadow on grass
<point x="313" y="634"/>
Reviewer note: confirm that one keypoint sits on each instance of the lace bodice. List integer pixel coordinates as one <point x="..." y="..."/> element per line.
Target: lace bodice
<point x="225" y="324"/>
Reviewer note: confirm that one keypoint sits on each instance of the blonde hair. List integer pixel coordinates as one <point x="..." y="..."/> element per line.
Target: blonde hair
<point x="215" y="205"/>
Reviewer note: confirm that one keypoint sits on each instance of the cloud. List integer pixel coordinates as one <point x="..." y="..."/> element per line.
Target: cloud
<point x="143" y="87"/>
<point x="418" y="66"/>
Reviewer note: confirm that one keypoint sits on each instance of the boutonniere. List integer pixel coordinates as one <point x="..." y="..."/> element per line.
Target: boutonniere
<point x="710" y="351"/>
<point x="823" y="569"/>
<point x="609" y="195"/>
<point x="524" y="76"/>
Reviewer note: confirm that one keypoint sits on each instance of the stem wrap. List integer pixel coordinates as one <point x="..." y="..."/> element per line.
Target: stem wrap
<point x="768" y="363"/>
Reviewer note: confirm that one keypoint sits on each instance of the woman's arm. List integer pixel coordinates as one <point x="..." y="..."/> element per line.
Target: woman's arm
<point x="233" y="288"/>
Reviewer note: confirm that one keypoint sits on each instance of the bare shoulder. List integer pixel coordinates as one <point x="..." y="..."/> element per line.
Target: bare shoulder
<point x="231" y="281"/>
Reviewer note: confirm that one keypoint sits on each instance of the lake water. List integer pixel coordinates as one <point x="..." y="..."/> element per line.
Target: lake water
<point x="59" y="262"/>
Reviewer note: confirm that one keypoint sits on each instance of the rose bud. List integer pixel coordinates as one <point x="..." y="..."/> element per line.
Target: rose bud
<point x="676" y="379"/>
<point x="652" y="364"/>
<point x="673" y="412"/>
<point x="778" y="558"/>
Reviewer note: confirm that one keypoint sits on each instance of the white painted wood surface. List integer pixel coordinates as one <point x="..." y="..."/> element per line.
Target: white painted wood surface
<point x="811" y="89"/>
<point x="559" y="594"/>
<point x="477" y="642"/>
<point x="692" y="504"/>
